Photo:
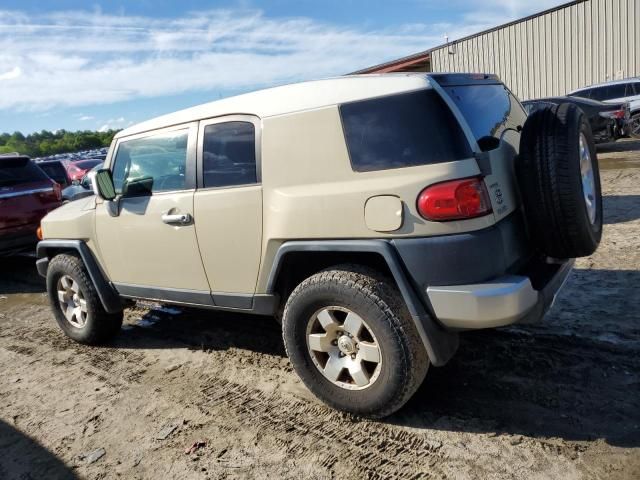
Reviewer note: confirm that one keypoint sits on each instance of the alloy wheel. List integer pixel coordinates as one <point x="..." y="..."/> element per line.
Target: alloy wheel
<point x="344" y="348"/>
<point x="72" y="301"/>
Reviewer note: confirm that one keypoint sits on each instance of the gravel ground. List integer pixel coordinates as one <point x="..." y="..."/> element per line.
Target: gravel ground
<point x="187" y="394"/>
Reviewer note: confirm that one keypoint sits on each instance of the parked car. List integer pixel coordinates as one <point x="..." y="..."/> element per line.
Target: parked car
<point x="608" y="121"/>
<point x="82" y="189"/>
<point x="77" y="169"/>
<point x="26" y="195"/>
<point x="374" y="216"/>
<point x="56" y="170"/>
<point x="617" y="91"/>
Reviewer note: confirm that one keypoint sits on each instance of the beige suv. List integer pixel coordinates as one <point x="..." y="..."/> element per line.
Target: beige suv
<point x="375" y="216"/>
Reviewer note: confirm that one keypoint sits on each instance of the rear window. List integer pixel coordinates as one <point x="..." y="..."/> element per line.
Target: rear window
<point x="403" y="130"/>
<point x="55" y="171"/>
<point x="16" y="171"/>
<point x="489" y="110"/>
<point x="87" y="164"/>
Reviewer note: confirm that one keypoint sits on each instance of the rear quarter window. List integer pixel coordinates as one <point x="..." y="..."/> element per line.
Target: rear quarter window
<point x="405" y="130"/>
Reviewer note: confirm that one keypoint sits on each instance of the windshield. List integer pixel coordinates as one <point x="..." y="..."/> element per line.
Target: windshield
<point x="489" y="110"/>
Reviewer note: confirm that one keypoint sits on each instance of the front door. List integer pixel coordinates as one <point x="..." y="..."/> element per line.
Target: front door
<point x="148" y="243"/>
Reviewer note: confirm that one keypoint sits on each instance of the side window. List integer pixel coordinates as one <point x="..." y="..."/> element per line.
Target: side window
<point x="616" y="90"/>
<point x="151" y="164"/>
<point x="599" y="93"/>
<point x="588" y="93"/>
<point x="633" y="89"/>
<point x="403" y="130"/>
<point x="229" y="154"/>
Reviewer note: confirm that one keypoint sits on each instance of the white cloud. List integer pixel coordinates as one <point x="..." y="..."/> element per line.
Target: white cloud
<point x="77" y="58"/>
<point x="15" y="72"/>
<point x="85" y="118"/>
<point x="114" y="124"/>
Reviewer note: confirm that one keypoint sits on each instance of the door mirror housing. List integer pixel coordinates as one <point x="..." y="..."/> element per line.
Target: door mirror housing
<point x="102" y="184"/>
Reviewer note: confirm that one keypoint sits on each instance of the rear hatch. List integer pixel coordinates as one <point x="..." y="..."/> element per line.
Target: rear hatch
<point x="493" y="118"/>
<point x="26" y="195"/>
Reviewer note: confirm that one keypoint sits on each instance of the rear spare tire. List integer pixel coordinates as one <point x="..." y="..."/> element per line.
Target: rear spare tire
<point x="560" y="182"/>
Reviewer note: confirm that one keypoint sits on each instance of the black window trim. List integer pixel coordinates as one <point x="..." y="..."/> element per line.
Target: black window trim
<point x="257" y="125"/>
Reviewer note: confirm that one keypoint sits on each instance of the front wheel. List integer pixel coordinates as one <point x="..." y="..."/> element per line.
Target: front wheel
<point x="75" y="303"/>
<point x="351" y="340"/>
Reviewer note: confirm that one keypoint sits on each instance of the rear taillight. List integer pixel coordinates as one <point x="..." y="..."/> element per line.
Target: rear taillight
<point x="39" y="233"/>
<point x="613" y="114"/>
<point x="57" y="190"/>
<point x="454" y="200"/>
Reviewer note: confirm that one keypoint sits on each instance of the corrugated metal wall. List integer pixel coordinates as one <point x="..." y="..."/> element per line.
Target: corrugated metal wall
<point x="585" y="43"/>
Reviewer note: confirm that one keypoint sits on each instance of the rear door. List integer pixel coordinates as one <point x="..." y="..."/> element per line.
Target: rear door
<point x="228" y="206"/>
<point x="148" y="244"/>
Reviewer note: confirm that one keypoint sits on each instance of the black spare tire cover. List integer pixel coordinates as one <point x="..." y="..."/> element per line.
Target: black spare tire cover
<point x="560" y="182"/>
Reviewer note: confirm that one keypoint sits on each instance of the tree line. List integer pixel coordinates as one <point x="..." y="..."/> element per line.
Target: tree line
<point x="44" y="143"/>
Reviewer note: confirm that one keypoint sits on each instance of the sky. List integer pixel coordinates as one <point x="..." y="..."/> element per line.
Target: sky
<point x="99" y="65"/>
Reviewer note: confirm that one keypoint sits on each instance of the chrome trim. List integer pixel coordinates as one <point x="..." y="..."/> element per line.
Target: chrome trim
<point x="26" y="192"/>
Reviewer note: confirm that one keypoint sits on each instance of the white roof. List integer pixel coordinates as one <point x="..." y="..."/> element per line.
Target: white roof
<point x="603" y="84"/>
<point x="291" y="98"/>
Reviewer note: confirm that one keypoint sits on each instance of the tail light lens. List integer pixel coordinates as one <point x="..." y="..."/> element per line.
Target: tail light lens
<point x="57" y="190"/>
<point x="613" y="114"/>
<point x="454" y="200"/>
<point x="39" y="233"/>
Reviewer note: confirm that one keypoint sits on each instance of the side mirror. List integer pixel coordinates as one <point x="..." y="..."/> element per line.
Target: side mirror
<point x="102" y="184"/>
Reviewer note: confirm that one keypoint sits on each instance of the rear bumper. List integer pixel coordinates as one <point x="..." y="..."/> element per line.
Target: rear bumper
<point x="503" y="301"/>
<point x="483" y="279"/>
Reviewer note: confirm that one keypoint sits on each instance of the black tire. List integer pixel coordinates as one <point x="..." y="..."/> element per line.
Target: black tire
<point x="100" y="326"/>
<point x="376" y="300"/>
<point x="550" y="181"/>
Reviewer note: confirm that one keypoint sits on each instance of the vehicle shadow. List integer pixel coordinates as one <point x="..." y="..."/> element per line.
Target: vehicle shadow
<point x="24" y="458"/>
<point x="621" y="208"/>
<point x="626" y="145"/>
<point x="205" y="330"/>
<point x="18" y="274"/>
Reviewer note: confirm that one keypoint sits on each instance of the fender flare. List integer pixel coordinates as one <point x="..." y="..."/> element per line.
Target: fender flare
<point x="439" y="343"/>
<point x="106" y="293"/>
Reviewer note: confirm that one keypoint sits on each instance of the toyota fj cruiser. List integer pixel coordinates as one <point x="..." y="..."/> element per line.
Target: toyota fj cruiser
<point x="375" y="216"/>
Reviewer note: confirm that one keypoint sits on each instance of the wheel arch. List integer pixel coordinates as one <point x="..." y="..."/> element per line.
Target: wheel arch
<point x="297" y="260"/>
<point x="47" y="249"/>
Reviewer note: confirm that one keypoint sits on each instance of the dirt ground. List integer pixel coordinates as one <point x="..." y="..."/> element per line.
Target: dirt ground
<point x="558" y="400"/>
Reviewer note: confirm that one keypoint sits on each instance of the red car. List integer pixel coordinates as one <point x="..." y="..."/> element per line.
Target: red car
<point x="26" y="195"/>
<point x="79" y="168"/>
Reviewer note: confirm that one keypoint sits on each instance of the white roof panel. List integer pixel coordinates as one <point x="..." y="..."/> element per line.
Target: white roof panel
<point x="291" y="98"/>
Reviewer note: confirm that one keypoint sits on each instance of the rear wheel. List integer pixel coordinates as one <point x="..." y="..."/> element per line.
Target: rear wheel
<point x="75" y="302"/>
<point x="352" y="342"/>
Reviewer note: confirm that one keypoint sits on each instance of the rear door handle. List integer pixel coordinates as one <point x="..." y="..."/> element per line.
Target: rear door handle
<point x="177" y="219"/>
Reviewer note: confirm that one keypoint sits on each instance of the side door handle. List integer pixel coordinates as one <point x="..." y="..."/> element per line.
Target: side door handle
<point x="177" y="219"/>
